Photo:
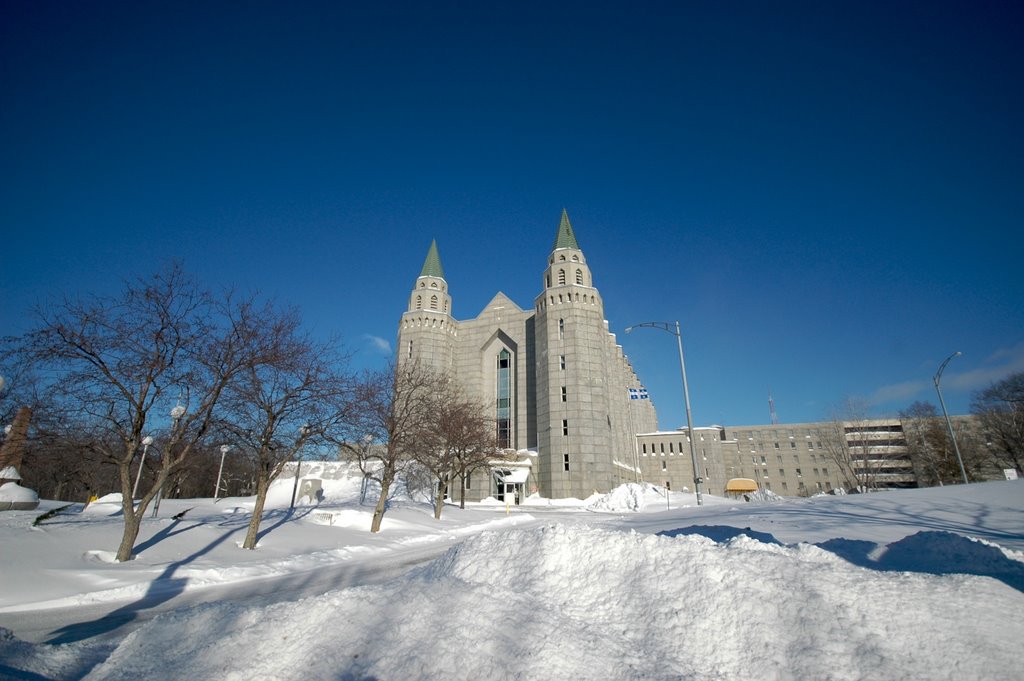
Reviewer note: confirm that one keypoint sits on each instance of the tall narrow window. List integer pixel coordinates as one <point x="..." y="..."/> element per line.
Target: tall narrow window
<point x="565" y="462"/>
<point x="565" y="426"/>
<point x="579" y="277"/>
<point x="503" y="413"/>
<point x="561" y="277"/>
<point x="565" y="396"/>
<point x="561" y="329"/>
<point x="433" y="302"/>
<point x="419" y="302"/>
<point x="410" y="349"/>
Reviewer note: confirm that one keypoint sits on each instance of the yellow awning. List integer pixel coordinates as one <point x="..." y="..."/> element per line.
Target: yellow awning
<point x="741" y="485"/>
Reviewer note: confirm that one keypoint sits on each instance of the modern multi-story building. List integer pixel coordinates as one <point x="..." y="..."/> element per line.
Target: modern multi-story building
<point x="795" y="459"/>
<point x="558" y="381"/>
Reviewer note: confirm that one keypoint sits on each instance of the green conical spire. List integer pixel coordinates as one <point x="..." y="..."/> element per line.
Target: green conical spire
<point x="565" y="238"/>
<point x="432" y="265"/>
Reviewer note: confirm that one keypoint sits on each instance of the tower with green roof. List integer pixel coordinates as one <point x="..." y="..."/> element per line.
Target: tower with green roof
<point x="427" y="329"/>
<point x="554" y="376"/>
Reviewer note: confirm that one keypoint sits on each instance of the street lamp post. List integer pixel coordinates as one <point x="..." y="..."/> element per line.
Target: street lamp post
<point x="220" y="471"/>
<point x="303" y="432"/>
<point x="146" y="442"/>
<point x="176" y="415"/>
<point x="665" y="326"/>
<point x="949" y="424"/>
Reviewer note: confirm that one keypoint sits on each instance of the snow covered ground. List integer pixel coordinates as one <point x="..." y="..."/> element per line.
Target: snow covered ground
<point x="921" y="584"/>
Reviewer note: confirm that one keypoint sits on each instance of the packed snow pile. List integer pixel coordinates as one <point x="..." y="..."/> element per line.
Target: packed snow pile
<point x="573" y="601"/>
<point x="14" y="496"/>
<point x="628" y="497"/>
<point x="763" y="495"/>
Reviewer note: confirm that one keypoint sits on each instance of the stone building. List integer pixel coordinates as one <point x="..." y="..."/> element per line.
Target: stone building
<point x="794" y="459"/>
<point x="558" y="381"/>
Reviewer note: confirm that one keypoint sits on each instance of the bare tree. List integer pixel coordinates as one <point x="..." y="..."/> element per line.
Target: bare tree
<point x="391" y="412"/>
<point x="928" y="445"/>
<point x="458" y="439"/>
<point x="1000" y="409"/>
<point x="853" y="458"/>
<point x="118" y="363"/>
<point x="474" y="444"/>
<point x="276" y="408"/>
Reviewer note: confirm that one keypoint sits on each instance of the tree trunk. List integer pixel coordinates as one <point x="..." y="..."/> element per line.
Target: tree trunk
<point x="462" y="491"/>
<point x="382" y="502"/>
<point x="132" y="523"/>
<point x="262" y="485"/>
<point x="438" y="499"/>
<point x="132" y="519"/>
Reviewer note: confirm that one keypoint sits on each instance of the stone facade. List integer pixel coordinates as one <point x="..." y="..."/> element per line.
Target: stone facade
<point x="558" y="380"/>
<point x="794" y="459"/>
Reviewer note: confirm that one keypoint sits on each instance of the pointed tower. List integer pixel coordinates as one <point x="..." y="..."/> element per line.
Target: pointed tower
<point x="566" y="264"/>
<point x="573" y="412"/>
<point x="427" y="328"/>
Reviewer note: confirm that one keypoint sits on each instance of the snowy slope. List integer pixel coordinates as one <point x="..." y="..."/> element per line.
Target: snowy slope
<point x="922" y="584"/>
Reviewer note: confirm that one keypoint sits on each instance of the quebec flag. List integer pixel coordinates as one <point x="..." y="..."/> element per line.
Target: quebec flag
<point x="638" y="394"/>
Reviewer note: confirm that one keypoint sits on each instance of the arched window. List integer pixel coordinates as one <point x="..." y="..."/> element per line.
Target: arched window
<point x="433" y="302"/>
<point x="419" y="302"/>
<point x="561" y="277"/>
<point x="579" y="277"/>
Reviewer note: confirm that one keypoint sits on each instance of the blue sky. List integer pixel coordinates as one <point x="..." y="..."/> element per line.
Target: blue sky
<point x="828" y="196"/>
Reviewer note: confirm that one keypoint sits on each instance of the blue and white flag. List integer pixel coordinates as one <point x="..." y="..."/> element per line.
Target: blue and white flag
<point x="638" y="394"/>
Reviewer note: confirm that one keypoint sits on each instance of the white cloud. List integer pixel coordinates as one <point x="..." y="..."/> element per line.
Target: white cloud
<point x="997" y="366"/>
<point x="899" y="392"/>
<point x="379" y="344"/>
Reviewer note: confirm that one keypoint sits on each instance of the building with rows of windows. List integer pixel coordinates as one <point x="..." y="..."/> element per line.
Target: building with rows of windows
<point x="559" y="383"/>
<point x="796" y="459"/>
<point x="568" y="402"/>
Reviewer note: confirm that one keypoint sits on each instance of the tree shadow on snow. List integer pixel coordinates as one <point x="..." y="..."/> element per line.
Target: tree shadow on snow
<point x="935" y="553"/>
<point x="284" y="516"/>
<point x="163" y="588"/>
<point x="929" y="552"/>
<point x="720" y="533"/>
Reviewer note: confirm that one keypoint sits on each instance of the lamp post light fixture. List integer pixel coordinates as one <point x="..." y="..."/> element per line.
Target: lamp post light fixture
<point x="303" y="433"/>
<point x="949" y="424"/>
<point x="176" y="413"/>
<point x="220" y="471"/>
<point x="146" y="442"/>
<point x="665" y="326"/>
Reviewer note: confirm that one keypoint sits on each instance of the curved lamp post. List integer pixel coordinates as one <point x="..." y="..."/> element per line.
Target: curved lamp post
<point x="220" y="471"/>
<point x="303" y="432"/>
<point x="176" y="415"/>
<point x="949" y="424"/>
<point x="146" y="442"/>
<point x="665" y="326"/>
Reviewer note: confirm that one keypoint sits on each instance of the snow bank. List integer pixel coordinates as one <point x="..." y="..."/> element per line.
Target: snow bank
<point x="628" y="497"/>
<point x="576" y="602"/>
<point x="14" y="496"/>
